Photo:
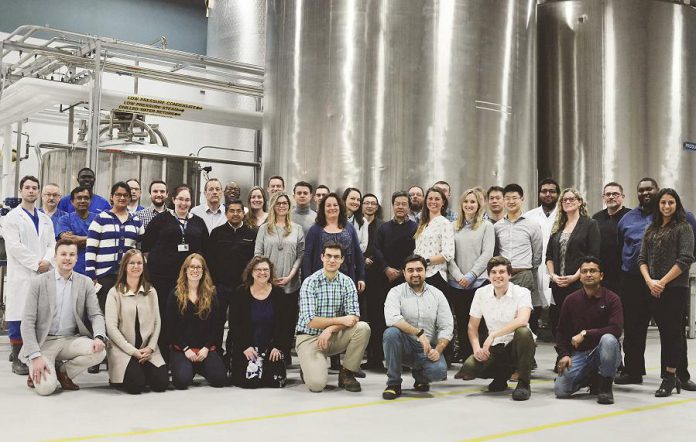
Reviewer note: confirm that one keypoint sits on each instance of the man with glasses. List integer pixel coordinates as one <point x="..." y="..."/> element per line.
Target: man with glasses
<point x="545" y="216"/>
<point x="75" y="226"/>
<point x="329" y="324"/>
<point x="608" y="220"/>
<point x="134" y="204"/>
<point x="112" y="233"/>
<point x="86" y="178"/>
<point x="212" y="211"/>
<point x="50" y="196"/>
<point x="589" y="328"/>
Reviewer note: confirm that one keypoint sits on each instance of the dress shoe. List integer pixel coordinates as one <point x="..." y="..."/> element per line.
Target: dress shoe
<point x="94" y="369"/>
<point x="625" y="379"/>
<point x="687" y="384"/>
<point x="669" y="383"/>
<point x="522" y="392"/>
<point x="65" y="382"/>
<point x="463" y="375"/>
<point x="360" y="374"/>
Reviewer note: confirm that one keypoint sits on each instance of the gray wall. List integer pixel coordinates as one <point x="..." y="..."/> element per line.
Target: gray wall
<point x="183" y="22"/>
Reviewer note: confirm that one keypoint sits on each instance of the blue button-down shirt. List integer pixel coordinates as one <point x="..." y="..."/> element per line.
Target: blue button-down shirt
<point x="72" y="222"/>
<point x="326" y="298"/>
<point x="63" y="323"/>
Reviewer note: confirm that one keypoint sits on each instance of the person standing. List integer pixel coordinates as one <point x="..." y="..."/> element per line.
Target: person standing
<point x="352" y="198"/>
<point x="666" y="254"/>
<point x="133" y="325"/>
<point x="444" y="186"/>
<point x="608" y="221"/>
<point x="50" y="196"/>
<point x="232" y="192"/>
<point x="75" y="225"/>
<point x="256" y="202"/>
<point x="86" y="178"/>
<point x="496" y="209"/>
<point x="29" y="243"/>
<point x="134" y="203"/>
<point x="319" y="194"/>
<point x="415" y="203"/>
<point x="587" y="337"/>
<point x="420" y="326"/>
<point x="158" y="196"/>
<point x="302" y="213"/>
<point x="212" y="211"/>
<point x="276" y="184"/>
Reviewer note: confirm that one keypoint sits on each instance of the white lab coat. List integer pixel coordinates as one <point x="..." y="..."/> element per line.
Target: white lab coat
<point x="546" y="224"/>
<point x="24" y="251"/>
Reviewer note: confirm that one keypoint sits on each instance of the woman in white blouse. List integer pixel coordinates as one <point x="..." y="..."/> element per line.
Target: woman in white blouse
<point x="435" y="239"/>
<point x="352" y="197"/>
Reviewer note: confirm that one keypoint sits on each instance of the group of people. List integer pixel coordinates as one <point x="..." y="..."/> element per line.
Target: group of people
<point x="151" y="289"/>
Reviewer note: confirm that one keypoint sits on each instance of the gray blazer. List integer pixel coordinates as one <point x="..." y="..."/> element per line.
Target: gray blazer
<point x="41" y="303"/>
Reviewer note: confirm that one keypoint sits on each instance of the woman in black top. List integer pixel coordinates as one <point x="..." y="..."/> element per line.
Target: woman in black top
<point x="574" y="235"/>
<point x="169" y="238"/>
<point x="666" y="253"/>
<point x="194" y="319"/>
<point x="258" y="329"/>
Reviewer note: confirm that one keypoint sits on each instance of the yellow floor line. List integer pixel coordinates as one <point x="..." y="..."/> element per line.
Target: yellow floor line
<point x="317" y="411"/>
<point x="577" y="421"/>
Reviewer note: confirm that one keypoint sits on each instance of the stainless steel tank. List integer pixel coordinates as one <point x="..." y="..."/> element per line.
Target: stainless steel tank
<point x="385" y="94"/>
<point x="616" y="101"/>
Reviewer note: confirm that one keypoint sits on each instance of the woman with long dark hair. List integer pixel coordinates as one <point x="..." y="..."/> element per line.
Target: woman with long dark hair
<point x="194" y="322"/>
<point x="132" y="319"/>
<point x="258" y="328"/>
<point x="257" y="204"/>
<point x="352" y="198"/>
<point x="574" y="236"/>
<point x="666" y="254"/>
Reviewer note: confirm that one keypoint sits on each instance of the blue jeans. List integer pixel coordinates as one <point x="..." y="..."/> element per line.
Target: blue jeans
<point x="402" y="349"/>
<point x="14" y="331"/>
<point x="605" y="358"/>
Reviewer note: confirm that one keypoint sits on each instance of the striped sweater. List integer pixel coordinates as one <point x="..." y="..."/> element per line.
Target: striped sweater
<point x="107" y="240"/>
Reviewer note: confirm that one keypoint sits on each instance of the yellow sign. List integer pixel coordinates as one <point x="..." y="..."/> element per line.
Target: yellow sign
<point x="154" y="106"/>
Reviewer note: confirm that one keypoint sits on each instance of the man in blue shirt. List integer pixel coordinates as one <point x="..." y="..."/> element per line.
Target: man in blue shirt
<point x="75" y="225"/>
<point x="50" y="195"/>
<point x="635" y="295"/>
<point x="86" y="178"/>
<point x="329" y="324"/>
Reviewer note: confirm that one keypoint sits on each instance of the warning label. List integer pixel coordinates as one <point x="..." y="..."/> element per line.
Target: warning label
<point x="154" y="106"/>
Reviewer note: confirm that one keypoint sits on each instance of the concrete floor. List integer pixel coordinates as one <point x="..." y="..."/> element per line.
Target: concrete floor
<point x="452" y="411"/>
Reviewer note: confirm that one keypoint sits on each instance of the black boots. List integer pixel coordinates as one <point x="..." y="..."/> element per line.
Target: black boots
<point x="18" y="367"/>
<point x="605" y="395"/>
<point x="669" y="383"/>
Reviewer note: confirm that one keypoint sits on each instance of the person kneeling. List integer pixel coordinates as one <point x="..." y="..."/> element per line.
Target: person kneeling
<point x="409" y="303"/>
<point x="329" y="324"/>
<point x="506" y="308"/>
<point x="58" y="345"/>
<point x="588" y="334"/>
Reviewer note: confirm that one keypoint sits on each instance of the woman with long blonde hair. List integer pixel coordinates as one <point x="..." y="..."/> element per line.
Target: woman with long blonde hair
<point x="574" y="235"/>
<point x="474" y="242"/>
<point x="133" y="326"/>
<point x="283" y="242"/>
<point x="194" y="317"/>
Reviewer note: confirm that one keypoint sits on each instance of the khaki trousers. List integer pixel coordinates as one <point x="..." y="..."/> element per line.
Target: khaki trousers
<point x="314" y="363"/>
<point x="77" y="353"/>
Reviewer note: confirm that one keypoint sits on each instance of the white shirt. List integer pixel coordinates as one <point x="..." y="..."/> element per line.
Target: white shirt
<point x="211" y="219"/>
<point x="546" y="223"/>
<point x="498" y="312"/>
<point x="63" y="323"/>
<point x="437" y="238"/>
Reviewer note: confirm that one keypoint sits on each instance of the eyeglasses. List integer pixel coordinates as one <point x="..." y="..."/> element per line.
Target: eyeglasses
<point x="282" y="203"/>
<point x="122" y="195"/>
<point x="612" y="195"/>
<point x="570" y="199"/>
<point x="195" y="268"/>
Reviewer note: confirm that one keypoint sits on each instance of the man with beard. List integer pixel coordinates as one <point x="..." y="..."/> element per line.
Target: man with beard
<point x="444" y="186"/>
<point x="86" y="178"/>
<point x="545" y="216"/>
<point x="494" y="198"/>
<point x="420" y="328"/>
<point x="635" y="295"/>
<point x="75" y="226"/>
<point x="158" y="196"/>
<point x="415" y="202"/>
<point x="232" y="192"/>
<point x="608" y="220"/>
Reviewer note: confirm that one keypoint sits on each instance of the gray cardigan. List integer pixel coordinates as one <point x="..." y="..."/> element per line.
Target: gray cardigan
<point x="472" y="251"/>
<point x="285" y="252"/>
<point x="676" y="247"/>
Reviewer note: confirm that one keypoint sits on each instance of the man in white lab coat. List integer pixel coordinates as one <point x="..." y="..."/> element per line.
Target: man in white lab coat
<point x="545" y="215"/>
<point x="29" y="241"/>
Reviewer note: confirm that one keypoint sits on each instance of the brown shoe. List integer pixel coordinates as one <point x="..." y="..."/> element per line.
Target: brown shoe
<point x="65" y="382"/>
<point x="30" y="382"/>
<point x="461" y="374"/>
<point x="346" y="380"/>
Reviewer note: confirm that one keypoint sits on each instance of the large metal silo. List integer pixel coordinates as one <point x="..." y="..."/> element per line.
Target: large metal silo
<point x="384" y="94"/>
<point x="616" y="94"/>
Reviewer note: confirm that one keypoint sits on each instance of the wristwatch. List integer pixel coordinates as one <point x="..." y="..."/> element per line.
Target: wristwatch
<point x="101" y="338"/>
<point x="427" y="261"/>
<point x="420" y="333"/>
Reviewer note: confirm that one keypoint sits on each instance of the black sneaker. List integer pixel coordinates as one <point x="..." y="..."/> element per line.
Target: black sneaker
<point x="391" y="392"/>
<point x="498" y="384"/>
<point x="522" y="391"/>
<point x="347" y="381"/>
<point x="422" y="387"/>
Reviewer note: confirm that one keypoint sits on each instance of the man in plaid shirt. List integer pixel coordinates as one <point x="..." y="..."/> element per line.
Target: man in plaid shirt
<point x="329" y="324"/>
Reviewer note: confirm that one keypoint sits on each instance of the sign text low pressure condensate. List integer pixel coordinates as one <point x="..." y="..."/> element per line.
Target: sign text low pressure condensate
<point x="154" y="106"/>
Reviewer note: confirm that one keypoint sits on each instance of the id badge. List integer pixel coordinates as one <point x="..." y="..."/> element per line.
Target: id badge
<point x="183" y="247"/>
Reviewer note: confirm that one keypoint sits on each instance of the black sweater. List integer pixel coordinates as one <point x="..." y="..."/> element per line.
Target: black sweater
<point x="583" y="241"/>
<point x="241" y="332"/>
<point x="188" y="329"/>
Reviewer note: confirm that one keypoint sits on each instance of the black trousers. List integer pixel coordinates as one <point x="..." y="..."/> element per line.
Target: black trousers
<point x="375" y="297"/>
<point x="107" y="282"/>
<point x="212" y="369"/>
<point x="274" y="374"/>
<point x="669" y="315"/>
<point x="462" y="300"/>
<point x="138" y="376"/>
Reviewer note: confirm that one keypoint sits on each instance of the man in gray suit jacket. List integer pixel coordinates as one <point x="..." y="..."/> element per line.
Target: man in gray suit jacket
<point x="58" y="345"/>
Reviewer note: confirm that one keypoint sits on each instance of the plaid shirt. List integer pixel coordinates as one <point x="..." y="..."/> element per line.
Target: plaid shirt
<point x="325" y="298"/>
<point x="146" y="215"/>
